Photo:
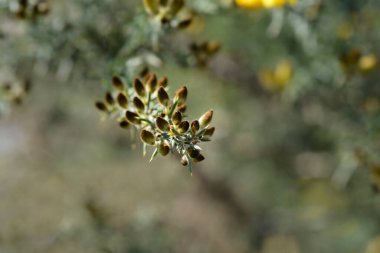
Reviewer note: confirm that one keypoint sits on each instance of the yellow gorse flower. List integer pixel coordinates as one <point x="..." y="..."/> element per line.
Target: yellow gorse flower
<point x="277" y="79"/>
<point x="257" y="4"/>
<point x="367" y="62"/>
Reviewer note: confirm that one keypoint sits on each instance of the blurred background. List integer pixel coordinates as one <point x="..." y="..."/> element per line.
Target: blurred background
<point x="293" y="166"/>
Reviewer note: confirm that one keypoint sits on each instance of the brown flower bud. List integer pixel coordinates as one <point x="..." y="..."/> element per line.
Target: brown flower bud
<point x="139" y="88"/>
<point x="151" y="83"/>
<point x="117" y="83"/>
<point x="205" y="119"/>
<point x="184" y="161"/>
<point x="209" y="132"/>
<point x="164" y="149"/>
<point x="162" y="124"/>
<point x="122" y="100"/>
<point x="177" y="118"/>
<point x="195" y="126"/>
<point x="193" y="153"/>
<point x="163" y="81"/>
<point x="181" y="94"/>
<point x="132" y="117"/>
<point x="199" y="158"/>
<point x="147" y="137"/>
<point x="109" y="99"/>
<point x="139" y="105"/>
<point x="163" y="96"/>
<point x="124" y="123"/>
<point x="183" y="127"/>
<point x="101" y="106"/>
<point x="151" y="6"/>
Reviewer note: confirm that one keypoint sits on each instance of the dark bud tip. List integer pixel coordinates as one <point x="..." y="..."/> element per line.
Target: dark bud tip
<point x="109" y="99"/>
<point x="209" y="132"/>
<point x="151" y="83"/>
<point x="117" y="83"/>
<point x="139" y="88"/>
<point x="183" y="127"/>
<point x="122" y="100"/>
<point x="193" y="153"/>
<point x="177" y="118"/>
<point x="124" y="124"/>
<point x="162" y="96"/>
<point x="199" y="158"/>
<point x="101" y="106"/>
<point x="139" y="105"/>
<point x="132" y="117"/>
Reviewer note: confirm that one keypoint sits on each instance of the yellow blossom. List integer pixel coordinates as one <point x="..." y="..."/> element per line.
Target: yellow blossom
<point x="249" y="3"/>
<point x="367" y="62"/>
<point x="278" y="78"/>
<point x="255" y="4"/>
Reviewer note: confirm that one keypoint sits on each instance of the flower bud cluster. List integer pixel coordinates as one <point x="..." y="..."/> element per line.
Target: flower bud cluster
<point x="147" y="106"/>
<point x="25" y="9"/>
<point x="165" y="13"/>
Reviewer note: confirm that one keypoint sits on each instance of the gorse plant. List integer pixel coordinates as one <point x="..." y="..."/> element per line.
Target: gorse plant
<point x="147" y="106"/>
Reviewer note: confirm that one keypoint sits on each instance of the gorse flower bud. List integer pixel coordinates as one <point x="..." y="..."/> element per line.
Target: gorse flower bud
<point x="101" y="106"/>
<point x="184" y="161"/>
<point x="122" y="100"/>
<point x="205" y="119"/>
<point x="199" y="158"/>
<point x="162" y="124"/>
<point x="117" y="83"/>
<point x="159" y="119"/>
<point x="132" y="117"/>
<point x="147" y="137"/>
<point x="177" y="118"/>
<point x="139" y="88"/>
<point x="181" y="94"/>
<point x="163" y="96"/>
<point x="109" y="99"/>
<point x="195" y="126"/>
<point x="139" y="105"/>
<point x="183" y="127"/>
<point x="164" y="149"/>
<point x="193" y="153"/>
<point x="209" y="132"/>
<point x="151" y="83"/>
<point x="124" y="124"/>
